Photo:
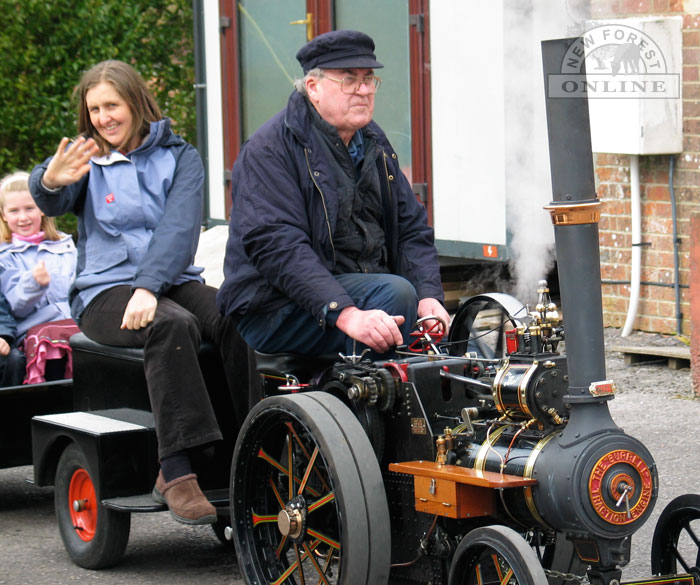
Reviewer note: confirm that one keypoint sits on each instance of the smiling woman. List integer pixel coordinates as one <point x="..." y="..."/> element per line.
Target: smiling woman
<point x="137" y="189"/>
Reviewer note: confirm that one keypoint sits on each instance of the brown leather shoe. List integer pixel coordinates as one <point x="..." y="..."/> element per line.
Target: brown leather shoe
<point x="185" y="500"/>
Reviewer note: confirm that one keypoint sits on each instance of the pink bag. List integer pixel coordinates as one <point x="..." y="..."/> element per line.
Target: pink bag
<point x="48" y="341"/>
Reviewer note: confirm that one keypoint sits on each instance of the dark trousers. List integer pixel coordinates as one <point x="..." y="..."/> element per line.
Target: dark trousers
<point x="185" y="315"/>
<point x="293" y="329"/>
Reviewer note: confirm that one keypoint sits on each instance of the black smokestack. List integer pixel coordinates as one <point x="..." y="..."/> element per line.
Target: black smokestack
<point x="575" y="213"/>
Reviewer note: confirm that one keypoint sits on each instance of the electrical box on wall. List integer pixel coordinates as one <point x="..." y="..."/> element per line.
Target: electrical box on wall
<point x="633" y="84"/>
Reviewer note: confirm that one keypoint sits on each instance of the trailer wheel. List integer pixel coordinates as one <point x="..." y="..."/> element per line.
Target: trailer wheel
<point x="307" y="498"/>
<point x="95" y="537"/>
<point x="677" y="538"/>
<point x="495" y="554"/>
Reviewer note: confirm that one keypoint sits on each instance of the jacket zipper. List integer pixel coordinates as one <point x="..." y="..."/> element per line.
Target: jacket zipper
<point x="323" y="200"/>
<point x="388" y="182"/>
<point x="390" y="194"/>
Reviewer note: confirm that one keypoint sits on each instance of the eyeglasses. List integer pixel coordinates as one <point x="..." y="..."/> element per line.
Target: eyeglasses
<point x="351" y="83"/>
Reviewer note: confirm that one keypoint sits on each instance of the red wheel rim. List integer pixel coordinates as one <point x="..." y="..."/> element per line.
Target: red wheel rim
<point x="83" y="505"/>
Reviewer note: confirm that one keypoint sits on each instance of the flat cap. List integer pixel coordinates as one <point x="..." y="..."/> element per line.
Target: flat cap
<point x="339" y="49"/>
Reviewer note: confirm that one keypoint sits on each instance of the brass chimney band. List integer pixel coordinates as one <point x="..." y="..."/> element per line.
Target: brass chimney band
<point x="574" y="213"/>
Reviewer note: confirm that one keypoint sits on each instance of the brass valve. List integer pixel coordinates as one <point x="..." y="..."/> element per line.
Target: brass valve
<point x="441" y="444"/>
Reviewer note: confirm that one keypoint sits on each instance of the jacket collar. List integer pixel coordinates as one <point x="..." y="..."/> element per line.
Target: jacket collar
<point x="160" y="134"/>
<point x="50" y="245"/>
<point x="298" y="119"/>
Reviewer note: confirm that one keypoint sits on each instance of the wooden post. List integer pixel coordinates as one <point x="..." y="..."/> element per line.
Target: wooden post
<point x="694" y="242"/>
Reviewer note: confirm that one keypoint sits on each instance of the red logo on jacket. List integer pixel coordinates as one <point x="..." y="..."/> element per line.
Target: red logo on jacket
<point x="110" y="198"/>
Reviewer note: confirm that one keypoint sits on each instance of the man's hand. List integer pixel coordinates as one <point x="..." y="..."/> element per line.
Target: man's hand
<point x="70" y="163"/>
<point x="140" y="310"/>
<point x="433" y="307"/>
<point x="40" y="274"/>
<point x="376" y="329"/>
<point x="4" y="347"/>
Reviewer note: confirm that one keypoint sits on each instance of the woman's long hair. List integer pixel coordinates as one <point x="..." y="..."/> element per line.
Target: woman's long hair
<point x="131" y="87"/>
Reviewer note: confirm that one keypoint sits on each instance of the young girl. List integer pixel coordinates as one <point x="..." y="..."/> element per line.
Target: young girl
<point x="38" y="267"/>
<point x="137" y="189"/>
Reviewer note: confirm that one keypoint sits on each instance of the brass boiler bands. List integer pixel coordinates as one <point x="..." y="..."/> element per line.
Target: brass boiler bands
<point x="506" y="450"/>
<point x="510" y="390"/>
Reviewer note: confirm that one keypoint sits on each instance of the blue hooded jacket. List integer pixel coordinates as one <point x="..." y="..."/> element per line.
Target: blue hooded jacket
<point x="31" y="303"/>
<point x="138" y="216"/>
<point x="283" y="219"/>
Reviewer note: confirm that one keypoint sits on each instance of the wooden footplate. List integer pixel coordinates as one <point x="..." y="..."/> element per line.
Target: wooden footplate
<point x="456" y="492"/>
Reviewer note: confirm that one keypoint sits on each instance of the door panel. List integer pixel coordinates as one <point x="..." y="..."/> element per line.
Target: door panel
<point x="268" y="45"/>
<point x="388" y="26"/>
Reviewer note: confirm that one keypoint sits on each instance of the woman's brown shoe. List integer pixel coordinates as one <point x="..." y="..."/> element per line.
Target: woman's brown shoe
<point x="185" y="500"/>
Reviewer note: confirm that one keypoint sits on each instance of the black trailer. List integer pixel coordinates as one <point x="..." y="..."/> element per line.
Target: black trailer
<point x="102" y="455"/>
<point x="18" y="404"/>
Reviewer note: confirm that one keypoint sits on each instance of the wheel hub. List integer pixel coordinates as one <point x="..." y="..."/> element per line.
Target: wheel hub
<point x="289" y="523"/>
<point x="291" y="519"/>
<point x="79" y="505"/>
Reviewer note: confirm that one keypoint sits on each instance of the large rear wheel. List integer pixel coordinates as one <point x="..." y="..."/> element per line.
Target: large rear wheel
<point x="95" y="537"/>
<point x="307" y="498"/>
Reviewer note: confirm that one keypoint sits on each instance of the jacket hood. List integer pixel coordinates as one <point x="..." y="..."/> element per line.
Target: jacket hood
<point x="161" y="134"/>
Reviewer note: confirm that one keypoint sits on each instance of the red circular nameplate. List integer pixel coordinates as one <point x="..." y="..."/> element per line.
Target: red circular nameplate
<point x="621" y="464"/>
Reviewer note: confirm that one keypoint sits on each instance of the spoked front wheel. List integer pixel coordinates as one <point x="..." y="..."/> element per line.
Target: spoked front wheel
<point x="675" y="547"/>
<point x="307" y="498"/>
<point x="495" y="555"/>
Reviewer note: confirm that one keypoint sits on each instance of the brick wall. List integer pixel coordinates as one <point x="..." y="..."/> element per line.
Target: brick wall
<point x="657" y="307"/>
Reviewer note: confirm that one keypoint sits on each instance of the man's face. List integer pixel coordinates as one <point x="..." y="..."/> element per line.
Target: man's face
<point x="348" y="112"/>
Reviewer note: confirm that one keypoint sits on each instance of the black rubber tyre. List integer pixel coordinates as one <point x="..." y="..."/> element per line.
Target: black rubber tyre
<point x="495" y="554"/>
<point x="368" y="416"/>
<point x="95" y="537"/>
<point x="481" y="322"/>
<point x="334" y="490"/>
<point x="675" y="547"/>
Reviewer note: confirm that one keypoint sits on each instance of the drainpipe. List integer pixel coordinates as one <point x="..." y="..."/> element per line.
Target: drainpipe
<point x="676" y="242"/>
<point x="200" y="87"/>
<point x="636" y="211"/>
